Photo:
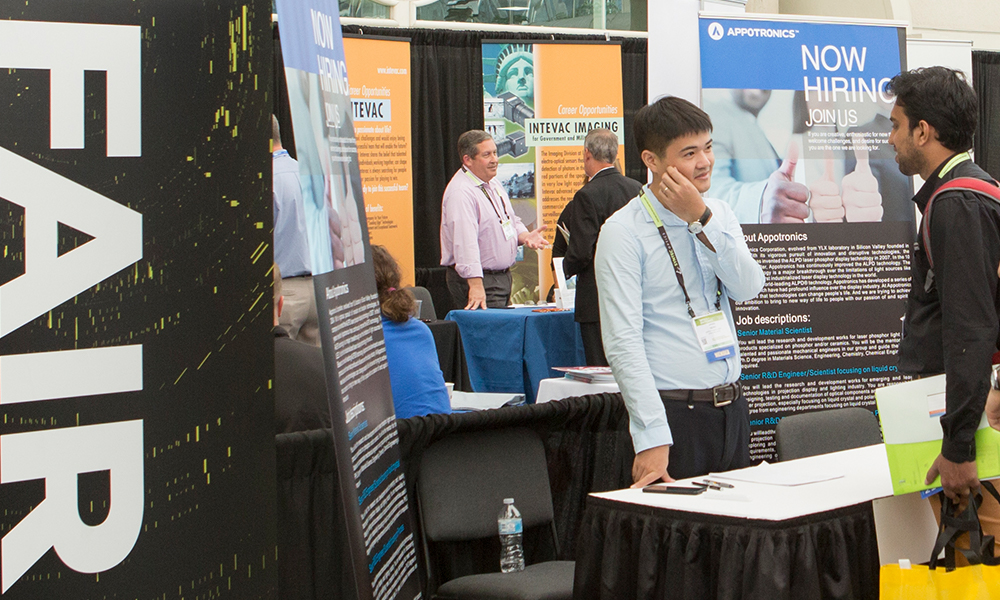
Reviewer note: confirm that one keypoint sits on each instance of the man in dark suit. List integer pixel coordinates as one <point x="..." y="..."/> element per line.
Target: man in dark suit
<point x="606" y="192"/>
<point x="300" y="402"/>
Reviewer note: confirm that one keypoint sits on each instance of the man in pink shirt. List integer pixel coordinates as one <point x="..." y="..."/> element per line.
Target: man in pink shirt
<point x="479" y="231"/>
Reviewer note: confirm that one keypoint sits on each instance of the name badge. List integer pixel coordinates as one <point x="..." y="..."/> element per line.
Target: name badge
<point x="715" y="336"/>
<point x="508" y="229"/>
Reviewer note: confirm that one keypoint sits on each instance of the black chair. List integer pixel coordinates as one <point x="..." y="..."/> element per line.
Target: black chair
<point x="435" y="279"/>
<point x="426" y="303"/>
<point x="825" y="431"/>
<point x="461" y="483"/>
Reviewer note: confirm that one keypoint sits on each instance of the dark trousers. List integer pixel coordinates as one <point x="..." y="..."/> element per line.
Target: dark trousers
<point x="593" y="347"/>
<point x="497" y="286"/>
<point x="708" y="439"/>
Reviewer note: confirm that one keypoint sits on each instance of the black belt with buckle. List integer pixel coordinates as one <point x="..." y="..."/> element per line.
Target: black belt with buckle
<point x="720" y="395"/>
<point x="496" y="271"/>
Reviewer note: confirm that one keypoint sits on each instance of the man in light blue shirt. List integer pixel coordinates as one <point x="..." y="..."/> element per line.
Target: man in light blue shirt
<point x="667" y="265"/>
<point x="291" y="245"/>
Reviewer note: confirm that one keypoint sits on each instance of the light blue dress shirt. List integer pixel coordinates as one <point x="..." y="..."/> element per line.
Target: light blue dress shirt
<point x="291" y="244"/>
<point x="648" y="335"/>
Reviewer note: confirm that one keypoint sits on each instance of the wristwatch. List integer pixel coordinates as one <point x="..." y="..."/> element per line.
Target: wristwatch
<point x="993" y="378"/>
<point x="696" y="227"/>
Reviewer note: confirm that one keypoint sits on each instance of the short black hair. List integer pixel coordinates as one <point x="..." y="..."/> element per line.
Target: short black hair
<point x="942" y="97"/>
<point x="660" y="123"/>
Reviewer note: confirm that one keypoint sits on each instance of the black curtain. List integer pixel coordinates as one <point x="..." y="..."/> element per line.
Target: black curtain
<point x="986" y="80"/>
<point x="312" y="522"/>
<point x="447" y="99"/>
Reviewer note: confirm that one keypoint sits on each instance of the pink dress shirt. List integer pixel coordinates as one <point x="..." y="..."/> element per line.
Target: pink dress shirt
<point x="472" y="237"/>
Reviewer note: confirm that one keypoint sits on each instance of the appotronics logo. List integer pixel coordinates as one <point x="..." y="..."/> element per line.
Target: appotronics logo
<point x="760" y="32"/>
<point x="716" y="31"/>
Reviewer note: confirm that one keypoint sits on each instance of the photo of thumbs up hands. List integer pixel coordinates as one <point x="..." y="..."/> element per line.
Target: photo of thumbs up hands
<point x="785" y="200"/>
<point x="856" y="199"/>
<point x="825" y="201"/>
<point x="862" y="200"/>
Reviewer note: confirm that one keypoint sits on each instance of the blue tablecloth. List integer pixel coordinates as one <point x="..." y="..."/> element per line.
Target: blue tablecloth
<point x="512" y="349"/>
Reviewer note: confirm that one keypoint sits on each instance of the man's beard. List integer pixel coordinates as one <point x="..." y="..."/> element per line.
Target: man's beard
<point x="909" y="164"/>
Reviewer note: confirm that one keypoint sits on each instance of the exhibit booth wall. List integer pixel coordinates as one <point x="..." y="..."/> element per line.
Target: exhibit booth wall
<point x="447" y="100"/>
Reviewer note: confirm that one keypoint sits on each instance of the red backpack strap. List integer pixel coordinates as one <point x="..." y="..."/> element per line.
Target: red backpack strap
<point x="963" y="184"/>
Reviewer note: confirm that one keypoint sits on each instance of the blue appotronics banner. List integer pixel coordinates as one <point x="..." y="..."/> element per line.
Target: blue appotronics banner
<point x="800" y="137"/>
<point x="777" y="55"/>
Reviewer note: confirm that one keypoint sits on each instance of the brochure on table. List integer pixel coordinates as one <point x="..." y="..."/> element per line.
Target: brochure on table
<point x="911" y="426"/>
<point x="565" y="288"/>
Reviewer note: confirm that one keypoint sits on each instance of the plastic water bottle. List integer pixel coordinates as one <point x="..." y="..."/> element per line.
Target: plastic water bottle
<point x="511" y="550"/>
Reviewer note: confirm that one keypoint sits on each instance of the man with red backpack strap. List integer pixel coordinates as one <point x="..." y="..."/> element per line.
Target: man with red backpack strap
<point x="951" y="323"/>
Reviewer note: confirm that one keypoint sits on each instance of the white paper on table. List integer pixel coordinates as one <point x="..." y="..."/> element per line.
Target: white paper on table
<point x="468" y="401"/>
<point x="567" y="287"/>
<point x="789" y="473"/>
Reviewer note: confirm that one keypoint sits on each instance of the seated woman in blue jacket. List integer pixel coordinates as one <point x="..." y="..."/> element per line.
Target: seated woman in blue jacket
<point x="417" y="383"/>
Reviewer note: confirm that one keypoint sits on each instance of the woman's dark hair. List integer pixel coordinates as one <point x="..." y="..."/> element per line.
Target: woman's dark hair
<point x="397" y="303"/>
<point x="942" y="97"/>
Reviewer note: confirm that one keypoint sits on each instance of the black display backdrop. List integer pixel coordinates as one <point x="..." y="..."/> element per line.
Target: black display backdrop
<point x="986" y="81"/>
<point x="198" y="300"/>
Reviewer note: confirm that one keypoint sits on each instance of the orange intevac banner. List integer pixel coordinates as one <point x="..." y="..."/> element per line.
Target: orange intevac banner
<point x="539" y="101"/>
<point x="562" y="91"/>
<point x="379" y="74"/>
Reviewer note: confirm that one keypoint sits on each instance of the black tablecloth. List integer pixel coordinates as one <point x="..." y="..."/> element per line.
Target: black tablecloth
<point x="639" y="552"/>
<point x="451" y="354"/>
<point x="312" y="532"/>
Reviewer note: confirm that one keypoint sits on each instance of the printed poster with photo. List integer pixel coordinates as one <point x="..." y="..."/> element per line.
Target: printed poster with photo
<point x="380" y="530"/>
<point x="801" y="126"/>
<point x="380" y="97"/>
<point x="539" y="110"/>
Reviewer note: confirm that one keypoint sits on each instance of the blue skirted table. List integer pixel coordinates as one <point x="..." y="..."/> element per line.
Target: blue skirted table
<point x="512" y="349"/>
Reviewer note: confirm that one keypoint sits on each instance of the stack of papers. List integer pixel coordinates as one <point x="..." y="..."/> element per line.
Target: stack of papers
<point x="470" y="401"/>
<point x="588" y="374"/>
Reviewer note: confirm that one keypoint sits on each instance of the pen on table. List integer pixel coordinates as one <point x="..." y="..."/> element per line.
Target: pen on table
<point x="718" y="484"/>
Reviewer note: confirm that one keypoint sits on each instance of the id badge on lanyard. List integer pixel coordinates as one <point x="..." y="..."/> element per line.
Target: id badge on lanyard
<point x="508" y="229"/>
<point x="714" y="336"/>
